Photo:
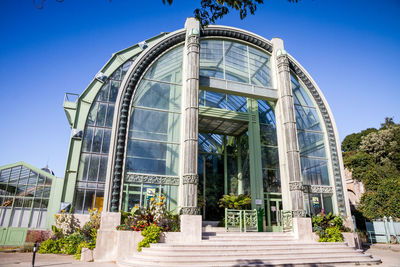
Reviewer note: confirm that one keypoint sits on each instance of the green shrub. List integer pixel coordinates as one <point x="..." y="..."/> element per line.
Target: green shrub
<point x="328" y="227"/>
<point x="71" y="243"/>
<point x="151" y="234"/>
<point x="51" y="246"/>
<point x="232" y="201"/>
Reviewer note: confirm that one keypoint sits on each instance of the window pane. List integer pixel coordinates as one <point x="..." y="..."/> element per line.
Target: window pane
<point x="269" y="157"/>
<point x="299" y="94"/>
<point x="103" y="94"/>
<point x="110" y="115"/>
<point x="93" y="168"/>
<point x="236" y="65"/>
<point x="87" y="139"/>
<point x="106" y="141"/>
<point x="215" y="100"/>
<point x="168" y="68"/>
<point x="146" y="149"/>
<point x="83" y="167"/>
<point x="158" y="95"/>
<point x="114" y="91"/>
<point x="211" y="59"/>
<point x="236" y="103"/>
<point x="92" y="114"/>
<point x="307" y="118"/>
<point x="260" y="72"/>
<point x="103" y="168"/>
<point x="311" y="144"/>
<point x="314" y="171"/>
<point x="101" y="115"/>
<point x="78" y="203"/>
<point x="97" y="140"/>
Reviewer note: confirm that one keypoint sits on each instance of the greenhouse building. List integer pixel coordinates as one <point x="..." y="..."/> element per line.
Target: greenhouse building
<point x="196" y="114"/>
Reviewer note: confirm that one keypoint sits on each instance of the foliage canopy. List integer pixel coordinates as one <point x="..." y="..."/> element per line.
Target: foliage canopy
<point x="373" y="157"/>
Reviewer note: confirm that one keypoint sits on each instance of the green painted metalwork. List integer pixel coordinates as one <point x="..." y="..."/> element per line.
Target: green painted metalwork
<point x="287" y="220"/>
<point x="241" y="220"/>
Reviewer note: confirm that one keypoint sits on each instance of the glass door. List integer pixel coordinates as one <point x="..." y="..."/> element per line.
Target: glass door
<point x="273" y="208"/>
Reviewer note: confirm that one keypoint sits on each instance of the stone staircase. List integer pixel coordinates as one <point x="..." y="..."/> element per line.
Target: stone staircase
<point x="219" y="248"/>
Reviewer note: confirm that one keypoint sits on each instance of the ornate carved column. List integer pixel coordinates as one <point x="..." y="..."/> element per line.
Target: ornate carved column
<point x="190" y="116"/>
<point x="289" y="132"/>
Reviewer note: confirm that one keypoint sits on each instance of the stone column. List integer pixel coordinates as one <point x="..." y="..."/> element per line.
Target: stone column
<point x="288" y="129"/>
<point x="190" y="116"/>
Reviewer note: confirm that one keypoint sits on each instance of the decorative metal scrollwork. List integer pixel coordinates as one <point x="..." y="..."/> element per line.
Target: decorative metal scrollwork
<point x="189" y="211"/>
<point x="152" y="179"/>
<point x="296" y="186"/>
<point x="287" y="220"/>
<point x="190" y="179"/>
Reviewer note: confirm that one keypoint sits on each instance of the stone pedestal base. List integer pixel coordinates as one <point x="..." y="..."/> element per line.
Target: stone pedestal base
<point x="86" y="255"/>
<point x="302" y="228"/>
<point x="191" y="228"/>
<point x="106" y="249"/>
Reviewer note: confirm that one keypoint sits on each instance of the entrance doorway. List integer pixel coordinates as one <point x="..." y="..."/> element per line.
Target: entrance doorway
<point x="273" y="209"/>
<point x="223" y="169"/>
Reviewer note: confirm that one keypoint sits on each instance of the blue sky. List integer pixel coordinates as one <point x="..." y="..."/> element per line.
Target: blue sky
<point x="351" y="48"/>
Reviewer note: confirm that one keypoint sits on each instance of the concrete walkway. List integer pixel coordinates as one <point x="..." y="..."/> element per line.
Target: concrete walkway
<point x="389" y="254"/>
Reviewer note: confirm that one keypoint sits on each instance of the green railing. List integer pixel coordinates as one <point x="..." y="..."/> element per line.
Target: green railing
<point x="287" y="220"/>
<point x="241" y="220"/>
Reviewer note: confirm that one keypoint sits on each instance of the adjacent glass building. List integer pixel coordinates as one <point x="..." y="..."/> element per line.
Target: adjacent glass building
<point x="199" y="113"/>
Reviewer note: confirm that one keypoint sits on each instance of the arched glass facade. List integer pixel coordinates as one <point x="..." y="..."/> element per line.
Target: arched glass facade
<point x="96" y="143"/>
<point x="313" y="157"/>
<point x="238" y="119"/>
<point x="153" y="145"/>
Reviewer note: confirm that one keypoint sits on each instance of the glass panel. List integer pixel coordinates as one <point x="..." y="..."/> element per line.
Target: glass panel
<point x="300" y="95"/>
<point x="93" y="168"/>
<point x="103" y="94"/>
<point x="83" y="167"/>
<point x="266" y="112"/>
<point x="236" y="65"/>
<point x="311" y="144"/>
<point x="110" y="115"/>
<point x="149" y="124"/>
<point x="114" y="91"/>
<point x="32" y="177"/>
<point x="215" y="100"/>
<point x="307" y="119"/>
<point x="211" y="58"/>
<point x="168" y="68"/>
<point x="117" y="74"/>
<point x="314" y="171"/>
<point x="125" y="68"/>
<point x="92" y="114"/>
<point x="97" y="140"/>
<point x="78" y="203"/>
<point x="101" y="115"/>
<point x="158" y="95"/>
<point x="260" y="72"/>
<point x="328" y="206"/>
<point x="87" y="139"/>
<point x="143" y="149"/>
<point x="103" y="168"/>
<point x="271" y="180"/>
<point x="268" y="135"/>
<point x="237" y="103"/>
<point x="89" y="201"/>
<point x="106" y="141"/>
<point x="5" y="174"/>
<point x="269" y="157"/>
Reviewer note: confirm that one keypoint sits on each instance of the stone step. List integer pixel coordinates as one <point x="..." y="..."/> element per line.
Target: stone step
<point x="224" y="257"/>
<point x="222" y="262"/>
<point x="244" y="249"/>
<point x="271" y="234"/>
<point x="256" y="253"/>
<point x="236" y="244"/>
<point x="248" y="238"/>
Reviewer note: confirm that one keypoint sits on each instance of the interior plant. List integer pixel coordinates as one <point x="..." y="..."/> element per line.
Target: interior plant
<point x="328" y="227"/>
<point x="233" y="201"/>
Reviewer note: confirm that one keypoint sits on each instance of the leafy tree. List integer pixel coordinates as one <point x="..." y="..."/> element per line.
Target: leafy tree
<point x="352" y="142"/>
<point x="374" y="159"/>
